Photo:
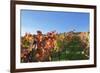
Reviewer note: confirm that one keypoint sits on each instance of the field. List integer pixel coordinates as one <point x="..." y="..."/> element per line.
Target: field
<point x="54" y="46"/>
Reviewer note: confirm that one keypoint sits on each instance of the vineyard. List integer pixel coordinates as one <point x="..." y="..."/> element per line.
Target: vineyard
<point x="54" y="46"/>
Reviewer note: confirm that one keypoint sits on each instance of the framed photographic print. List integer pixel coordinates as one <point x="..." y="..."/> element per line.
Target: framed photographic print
<point x="52" y="36"/>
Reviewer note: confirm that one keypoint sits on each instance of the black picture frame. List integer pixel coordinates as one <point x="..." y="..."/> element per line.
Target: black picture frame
<point x="13" y="35"/>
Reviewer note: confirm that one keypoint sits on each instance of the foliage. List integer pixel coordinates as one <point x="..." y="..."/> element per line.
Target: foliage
<point x="70" y="50"/>
<point x="68" y="46"/>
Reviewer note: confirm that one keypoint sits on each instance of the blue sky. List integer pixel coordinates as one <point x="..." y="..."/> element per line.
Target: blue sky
<point x="46" y="21"/>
